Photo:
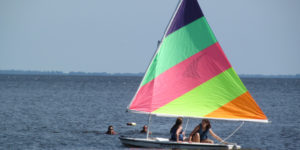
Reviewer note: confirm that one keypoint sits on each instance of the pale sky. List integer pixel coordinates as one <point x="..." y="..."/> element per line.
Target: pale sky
<point x="258" y="36"/>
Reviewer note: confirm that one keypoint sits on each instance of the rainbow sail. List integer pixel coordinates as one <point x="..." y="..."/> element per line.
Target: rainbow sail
<point x="190" y="75"/>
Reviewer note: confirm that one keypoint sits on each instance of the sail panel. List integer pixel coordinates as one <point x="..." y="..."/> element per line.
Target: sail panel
<point x="179" y="46"/>
<point x="181" y="78"/>
<point x="207" y="97"/>
<point x="188" y="12"/>
<point x="243" y="106"/>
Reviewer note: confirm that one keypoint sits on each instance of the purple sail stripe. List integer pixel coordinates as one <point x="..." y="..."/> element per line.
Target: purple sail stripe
<point x="188" y="11"/>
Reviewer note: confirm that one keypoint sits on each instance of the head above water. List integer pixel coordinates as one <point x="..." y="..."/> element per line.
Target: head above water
<point x="110" y="128"/>
<point x="206" y="123"/>
<point x="145" y="129"/>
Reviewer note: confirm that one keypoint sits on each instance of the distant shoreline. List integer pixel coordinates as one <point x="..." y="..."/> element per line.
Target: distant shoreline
<point x="60" y="73"/>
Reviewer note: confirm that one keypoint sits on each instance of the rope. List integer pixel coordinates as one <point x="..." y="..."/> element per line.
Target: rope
<point x="233" y="132"/>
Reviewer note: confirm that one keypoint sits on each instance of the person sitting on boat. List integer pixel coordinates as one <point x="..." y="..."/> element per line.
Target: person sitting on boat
<point x="110" y="130"/>
<point x="176" y="131"/>
<point x="199" y="134"/>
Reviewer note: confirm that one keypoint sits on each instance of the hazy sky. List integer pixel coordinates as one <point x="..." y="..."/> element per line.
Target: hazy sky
<point x="258" y="36"/>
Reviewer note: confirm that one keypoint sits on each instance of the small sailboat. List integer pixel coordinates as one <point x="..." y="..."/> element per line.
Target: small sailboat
<point x="190" y="76"/>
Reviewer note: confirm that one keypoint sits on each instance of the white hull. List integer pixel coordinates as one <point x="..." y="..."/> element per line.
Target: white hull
<point x="165" y="143"/>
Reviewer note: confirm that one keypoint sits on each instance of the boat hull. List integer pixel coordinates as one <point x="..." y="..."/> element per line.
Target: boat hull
<point x="165" y="143"/>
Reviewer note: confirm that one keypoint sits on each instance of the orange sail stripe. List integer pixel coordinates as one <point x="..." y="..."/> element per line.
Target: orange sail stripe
<point x="243" y="106"/>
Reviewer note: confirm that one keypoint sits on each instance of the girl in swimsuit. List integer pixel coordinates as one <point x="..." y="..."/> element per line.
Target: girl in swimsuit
<point x="176" y="131"/>
<point x="199" y="134"/>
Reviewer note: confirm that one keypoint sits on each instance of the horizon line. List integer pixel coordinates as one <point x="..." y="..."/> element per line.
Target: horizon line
<point x="55" y="72"/>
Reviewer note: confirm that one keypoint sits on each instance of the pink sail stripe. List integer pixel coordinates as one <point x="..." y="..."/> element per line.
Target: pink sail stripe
<point x="181" y="78"/>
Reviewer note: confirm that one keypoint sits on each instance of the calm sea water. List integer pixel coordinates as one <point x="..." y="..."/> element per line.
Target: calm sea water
<point x="73" y="112"/>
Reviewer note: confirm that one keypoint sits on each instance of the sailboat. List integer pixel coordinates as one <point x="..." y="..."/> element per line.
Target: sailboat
<point x="190" y="76"/>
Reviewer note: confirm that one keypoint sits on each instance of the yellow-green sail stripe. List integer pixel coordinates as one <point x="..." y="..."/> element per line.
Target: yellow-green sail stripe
<point x="207" y="97"/>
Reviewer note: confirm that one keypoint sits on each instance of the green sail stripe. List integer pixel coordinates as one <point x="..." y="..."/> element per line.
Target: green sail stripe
<point x="179" y="46"/>
<point x="207" y="97"/>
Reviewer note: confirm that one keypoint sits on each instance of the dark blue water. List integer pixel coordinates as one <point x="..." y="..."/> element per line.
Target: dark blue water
<point x="73" y="112"/>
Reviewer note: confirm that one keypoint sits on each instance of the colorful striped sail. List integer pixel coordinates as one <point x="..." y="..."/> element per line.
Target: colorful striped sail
<point x="190" y="75"/>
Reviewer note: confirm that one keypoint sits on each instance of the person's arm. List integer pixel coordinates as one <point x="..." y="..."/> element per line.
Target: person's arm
<point x="214" y="135"/>
<point x="193" y="132"/>
<point x="178" y="133"/>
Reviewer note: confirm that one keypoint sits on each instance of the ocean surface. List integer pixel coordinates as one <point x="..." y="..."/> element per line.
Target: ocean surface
<point x="73" y="112"/>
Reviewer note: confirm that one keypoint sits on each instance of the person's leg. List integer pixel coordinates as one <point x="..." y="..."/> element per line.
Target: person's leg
<point x="196" y="138"/>
<point x="184" y="137"/>
<point x="207" y="141"/>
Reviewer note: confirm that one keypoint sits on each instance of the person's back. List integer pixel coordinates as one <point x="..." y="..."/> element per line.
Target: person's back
<point x="176" y="131"/>
<point x="173" y="133"/>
